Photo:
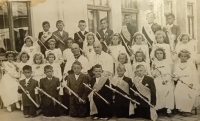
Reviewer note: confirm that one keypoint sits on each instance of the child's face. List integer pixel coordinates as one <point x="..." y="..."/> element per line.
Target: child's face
<point x="90" y="40"/>
<point x="183" y="57"/>
<point x="104" y="24"/>
<point x="139" y="57"/>
<point x="122" y="59"/>
<point x="150" y="18"/>
<point x="185" y="39"/>
<point x="127" y="19"/>
<point x="46" y="27"/>
<point x="115" y="40"/>
<point x="170" y="20"/>
<point x="120" y="72"/>
<point x="60" y="26"/>
<point x="24" y="58"/>
<point x="76" y="69"/>
<point x="159" y="55"/>
<point x="38" y="60"/>
<point x="140" y="71"/>
<point x="69" y="43"/>
<point x="10" y="57"/>
<point x="51" y="58"/>
<point x="27" y="73"/>
<point x="52" y="45"/>
<point x="97" y="72"/>
<point x="29" y="42"/>
<point x="160" y="39"/>
<point x="82" y="26"/>
<point x="138" y="39"/>
<point x="49" y="73"/>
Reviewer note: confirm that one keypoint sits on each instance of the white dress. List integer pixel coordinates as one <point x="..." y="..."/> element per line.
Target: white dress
<point x="56" y="70"/>
<point x="38" y="71"/>
<point x="116" y="50"/>
<point x="31" y="52"/>
<point x="164" y="92"/>
<point x="146" y="65"/>
<point x="184" y="96"/>
<point x="89" y="51"/>
<point x="58" y="54"/>
<point x="9" y="84"/>
<point x="144" y="48"/>
<point x="67" y="54"/>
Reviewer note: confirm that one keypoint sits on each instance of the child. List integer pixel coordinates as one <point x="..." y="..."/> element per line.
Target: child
<point x="75" y="83"/>
<point x="116" y="48"/>
<point x="79" y="37"/>
<point x="140" y="60"/>
<point x="56" y="51"/>
<point x="9" y="81"/>
<point x="122" y="84"/>
<point x="50" y="85"/>
<point x="29" y="84"/>
<point x="31" y="47"/>
<point x="140" y="45"/>
<point x="103" y="110"/>
<point x="60" y="36"/>
<point x="160" y="36"/>
<point x="67" y="53"/>
<point x="123" y="59"/>
<point x="56" y="67"/>
<point x="164" y="86"/>
<point x="38" y="66"/>
<point x="186" y="72"/>
<point x="44" y="36"/>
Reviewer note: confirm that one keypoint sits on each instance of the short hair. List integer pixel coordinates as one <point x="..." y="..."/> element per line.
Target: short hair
<point x="14" y="53"/>
<point x="90" y="34"/>
<point x="40" y="55"/>
<point x="60" y="22"/>
<point x="160" y="32"/>
<point x="138" y="34"/>
<point x="77" y="63"/>
<point x="160" y="49"/>
<point x="143" y="55"/>
<point x="170" y="14"/>
<point x="51" y="54"/>
<point x="45" y="22"/>
<point x="82" y="21"/>
<point x="127" y="15"/>
<point x="139" y="66"/>
<point x="104" y="19"/>
<point x="70" y="38"/>
<point x="52" y="40"/>
<point x="121" y="54"/>
<point x="121" y="66"/>
<point x="48" y="67"/>
<point x="23" y="53"/>
<point x="115" y="35"/>
<point x="96" y="66"/>
<point x="27" y="67"/>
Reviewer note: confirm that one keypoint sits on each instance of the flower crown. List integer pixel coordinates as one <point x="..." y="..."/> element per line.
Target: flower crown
<point x="185" y="51"/>
<point x="13" y="52"/>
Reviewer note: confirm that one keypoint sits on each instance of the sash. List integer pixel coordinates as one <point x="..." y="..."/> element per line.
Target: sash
<point x="143" y="90"/>
<point x="126" y="33"/>
<point x="79" y="36"/>
<point x="149" y="33"/>
<point x="46" y="35"/>
<point x="100" y="84"/>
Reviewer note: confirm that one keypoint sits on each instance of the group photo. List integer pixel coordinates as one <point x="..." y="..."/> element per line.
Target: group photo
<point x="85" y="60"/>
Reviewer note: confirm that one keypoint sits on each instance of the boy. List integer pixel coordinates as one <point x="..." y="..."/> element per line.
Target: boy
<point x="29" y="84"/>
<point x="50" y="85"/>
<point x="44" y="36"/>
<point x="60" y="36"/>
<point x="122" y="84"/>
<point x="75" y="83"/>
<point x="98" y="84"/>
<point x="104" y="34"/>
<point x="79" y="37"/>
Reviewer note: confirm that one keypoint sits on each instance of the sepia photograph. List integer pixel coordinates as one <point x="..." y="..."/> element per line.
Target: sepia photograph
<point x="99" y="60"/>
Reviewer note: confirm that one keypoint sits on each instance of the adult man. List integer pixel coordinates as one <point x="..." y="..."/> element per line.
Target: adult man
<point x="145" y="86"/>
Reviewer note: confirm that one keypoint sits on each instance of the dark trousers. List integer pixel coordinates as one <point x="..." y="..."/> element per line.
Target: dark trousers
<point x="30" y="110"/>
<point x="65" y="101"/>
<point x="122" y="111"/>
<point x="78" y="110"/>
<point x="142" y="112"/>
<point x="51" y="110"/>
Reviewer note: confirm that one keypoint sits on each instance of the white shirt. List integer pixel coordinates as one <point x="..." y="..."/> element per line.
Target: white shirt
<point x="140" y="79"/>
<point x="83" y="32"/>
<point x="104" y="30"/>
<point x="27" y="80"/>
<point x="61" y="33"/>
<point x="97" y="80"/>
<point x="120" y="79"/>
<point x="76" y="76"/>
<point x="49" y="78"/>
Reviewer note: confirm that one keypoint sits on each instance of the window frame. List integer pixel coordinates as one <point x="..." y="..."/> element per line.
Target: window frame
<point x="190" y="18"/>
<point x="171" y="11"/>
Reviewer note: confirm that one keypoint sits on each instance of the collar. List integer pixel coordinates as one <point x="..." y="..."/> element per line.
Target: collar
<point x="50" y="78"/>
<point x="83" y="32"/>
<point x="104" y="30"/>
<point x="27" y="79"/>
<point x="46" y="31"/>
<point x="77" y="57"/>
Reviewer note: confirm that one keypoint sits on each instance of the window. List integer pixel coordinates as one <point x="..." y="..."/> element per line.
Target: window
<point x="190" y="19"/>
<point x="129" y="4"/>
<point x="168" y="6"/>
<point x="97" y="10"/>
<point x="16" y="24"/>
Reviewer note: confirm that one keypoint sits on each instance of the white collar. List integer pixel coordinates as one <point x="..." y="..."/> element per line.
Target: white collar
<point x="76" y="76"/>
<point x="27" y="79"/>
<point x="83" y="32"/>
<point x="46" y="31"/>
<point x="50" y="78"/>
<point x="104" y="30"/>
<point x="141" y="78"/>
<point x="97" y="80"/>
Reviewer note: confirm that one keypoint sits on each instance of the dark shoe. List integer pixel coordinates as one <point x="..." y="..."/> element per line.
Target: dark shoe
<point x="26" y="116"/>
<point x="185" y="114"/>
<point x="169" y="115"/>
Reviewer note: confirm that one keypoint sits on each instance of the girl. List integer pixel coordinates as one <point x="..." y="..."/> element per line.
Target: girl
<point x="56" y="51"/>
<point x="164" y="86"/>
<point x="187" y="77"/>
<point x="38" y="66"/>
<point x="31" y="47"/>
<point x="67" y="53"/>
<point x="140" y="45"/>
<point x="140" y="60"/>
<point x="160" y="36"/>
<point x="9" y="81"/>
<point x="123" y="59"/>
<point x="56" y="67"/>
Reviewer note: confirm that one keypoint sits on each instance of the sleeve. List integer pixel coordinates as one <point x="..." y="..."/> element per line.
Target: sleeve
<point x="36" y="94"/>
<point x="60" y="56"/>
<point x="109" y="64"/>
<point x="148" y="69"/>
<point x="86" y="65"/>
<point x="67" y="66"/>
<point x="86" y="91"/>
<point x="76" y="38"/>
<point x="153" y="92"/>
<point x="19" y="89"/>
<point x="178" y="32"/>
<point x="147" y="53"/>
<point x="65" y="37"/>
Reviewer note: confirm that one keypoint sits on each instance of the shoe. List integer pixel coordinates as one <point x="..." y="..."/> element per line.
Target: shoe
<point x="169" y="115"/>
<point x="9" y="109"/>
<point x="26" y="116"/>
<point x="95" y="118"/>
<point x="185" y="114"/>
<point x="17" y="105"/>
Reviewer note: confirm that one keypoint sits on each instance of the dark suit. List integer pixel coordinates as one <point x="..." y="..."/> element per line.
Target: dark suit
<point x="78" y="109"/>
<point x="175" y="30"/>
<point x="29" y="107"/>
<point x="143" y="110"/>
<point x="62" y="37"/>
<point x="76" y="38"/>
<point x="121" y="103"/>
<point x="104" y="110"/>
<point x="50" y="108"/>
<point x="45" y="43"/>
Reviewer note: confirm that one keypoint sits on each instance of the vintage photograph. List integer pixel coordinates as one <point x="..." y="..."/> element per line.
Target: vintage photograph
<point x="86" y="60"/>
